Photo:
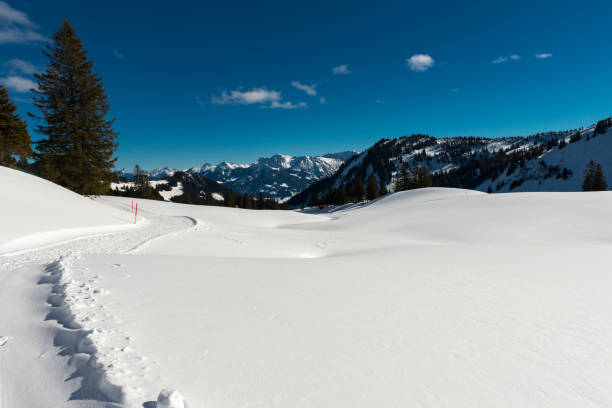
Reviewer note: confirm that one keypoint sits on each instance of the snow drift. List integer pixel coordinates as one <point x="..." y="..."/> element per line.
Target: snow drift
<point x="36" y="212"/>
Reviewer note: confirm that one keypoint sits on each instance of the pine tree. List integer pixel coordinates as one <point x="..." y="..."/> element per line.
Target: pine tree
<point x="372" y="187"/>
<point x="357" y="189"/>
<point x="599" y="181"/>
<point x="229" y="198"/>
<point x="594" y="179"/>
<point x="14" y="136"/>
<point x="78" y="152"/>
<point x="423" y="177"/>
<point x="141" y="178"/>
<point x="401" y="179"/>
<point x="341" y="197"/>
<point x="602" y="126"/>
<point x="383" y="189"/>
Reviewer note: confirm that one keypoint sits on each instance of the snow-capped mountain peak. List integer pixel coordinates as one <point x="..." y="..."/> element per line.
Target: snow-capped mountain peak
<point x="279" y="176"/>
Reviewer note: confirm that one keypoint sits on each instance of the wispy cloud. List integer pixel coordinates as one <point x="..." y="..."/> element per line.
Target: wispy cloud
<point x="18" y="83"/>
<point x="309" y="89"/>
<point x="257" y="96"/>
<point x="288" y="105"/>
<point x="341" y="70"/>
<point x="117" y="54"/>
<point x="13" y="35"/>
<point x="505" y="58"/>
<point x="16" y="27"/>
<point x="18" y="65"/>
<point x="238" y="97"/>
<point x="380" y="101"/>
<point x="12" y="16"/>
<point x="420" y="62"/>
<point x="543" y="55"/>
<point x="322" y="100"/>
<point x="455" y="90"/>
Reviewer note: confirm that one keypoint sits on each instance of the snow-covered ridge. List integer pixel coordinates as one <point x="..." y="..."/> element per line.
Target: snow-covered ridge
<point x="552" y="161"/>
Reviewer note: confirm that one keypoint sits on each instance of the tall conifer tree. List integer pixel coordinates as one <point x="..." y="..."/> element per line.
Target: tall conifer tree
<point x="14" y="136"/>
<point x="78" y="152"/>
<point x="372" y="187"/>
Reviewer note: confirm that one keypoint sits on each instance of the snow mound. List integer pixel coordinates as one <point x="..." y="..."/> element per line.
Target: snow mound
<point x="170" y="399"/>
<point x="36" y="212"/>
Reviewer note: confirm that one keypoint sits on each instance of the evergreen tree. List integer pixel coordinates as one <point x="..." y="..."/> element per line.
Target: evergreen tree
<point x="423" y="177"/>
<point x="401" y="179"/>
<point x="246" y="201"/>
<point x="372" y="187"/>
<point x="602" y="126"/>
<point x="599" y="181"/>
<point x="383" y="189"/>
<point x="341" y="196"/>
<point x="594" y="179"/>
<point x="14" y="136"/>
<point x="141" y="178"/>
<point x="229" y="199"/>
<point x="78" y="152"/>
<point x="357" y="189"/>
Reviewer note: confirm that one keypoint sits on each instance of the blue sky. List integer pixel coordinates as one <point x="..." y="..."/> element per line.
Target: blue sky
<point x="195" y="82"/>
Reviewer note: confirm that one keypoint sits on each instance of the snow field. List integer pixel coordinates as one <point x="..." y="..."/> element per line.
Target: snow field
<point x="430" y="298"/>
<point x="498" y="300"/>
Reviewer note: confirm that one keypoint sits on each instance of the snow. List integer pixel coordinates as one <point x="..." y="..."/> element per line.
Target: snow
<point x="174" y="192"/>
<point x="155" y="183"/>
<point x="36" y="212"/>
<point x="431" y="298"/>
<point x="574" y="156"/>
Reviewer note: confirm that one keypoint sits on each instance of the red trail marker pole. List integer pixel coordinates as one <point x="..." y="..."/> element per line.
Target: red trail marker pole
<point x="136" y="213"/>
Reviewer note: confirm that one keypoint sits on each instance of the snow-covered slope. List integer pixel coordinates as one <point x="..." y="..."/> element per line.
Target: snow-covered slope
<point x="553" y="161"/>
<point x="36" y="212"/>
<point x="558" y="169"/>
<point x="433" y="298"/>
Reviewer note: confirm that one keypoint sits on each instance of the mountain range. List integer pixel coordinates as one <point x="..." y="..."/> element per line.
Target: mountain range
<point x="279" y="176"/>
<point x="552" y="161"/>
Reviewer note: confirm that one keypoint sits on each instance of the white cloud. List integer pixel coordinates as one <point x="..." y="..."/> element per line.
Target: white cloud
<point x="309" y="89"/>
<point x="19" y="65"/>
<point x="238" y="97"/>
<point x="13" y="35"/>
<point x="322" y="100"/>
<point x="287" y="105"/>
<point x="420" y="62"/>
<point x="18" y="83"/>
<point x="16" y="27"/>
<point x="11" y="16"/>
<point x="543" y="55"/>
<point x="117" y="54"/>
<point x="341" y="70"/>
<point x="505" y="58"/>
